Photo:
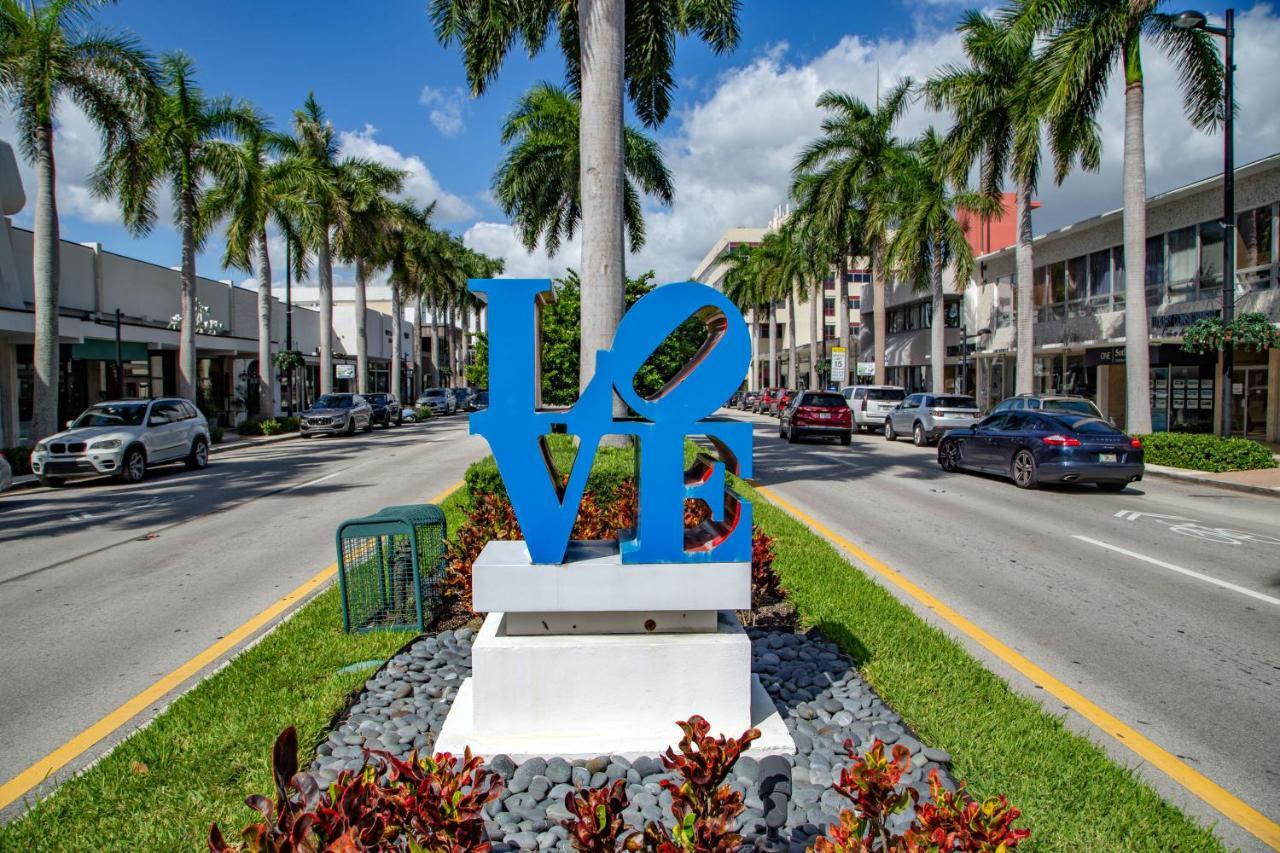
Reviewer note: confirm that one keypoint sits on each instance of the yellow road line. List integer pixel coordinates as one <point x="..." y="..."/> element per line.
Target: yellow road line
<point x="1235" y="809"/>
<point x="53" y="762"/>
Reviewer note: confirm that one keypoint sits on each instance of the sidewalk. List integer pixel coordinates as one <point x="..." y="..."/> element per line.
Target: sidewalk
<point x="1265" y="481"/>
<point x="230" y="441"/>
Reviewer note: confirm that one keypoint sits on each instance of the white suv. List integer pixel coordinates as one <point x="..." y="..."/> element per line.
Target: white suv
<point x="124" y="438"/>
<point x="870" y="404"/>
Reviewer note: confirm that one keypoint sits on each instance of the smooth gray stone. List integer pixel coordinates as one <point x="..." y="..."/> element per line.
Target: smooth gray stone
<point x="597" y="764"/>
<point x="557" y="812"/>
<point x="941" y="756"/>
<point x="539" y="787"/>
<point x="580" y="777"/>
<point x="524" y="840"/>
<point x="503" y="766"/>
<point x="558" y="770"/>
<point x="647" y="765"/>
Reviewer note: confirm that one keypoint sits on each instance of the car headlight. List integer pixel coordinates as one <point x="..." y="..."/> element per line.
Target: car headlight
<point x="40" y="447"/>
<point x="105" y="444"/>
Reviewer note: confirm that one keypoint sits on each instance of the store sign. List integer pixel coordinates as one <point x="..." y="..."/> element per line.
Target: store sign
<point x="344" y="371"/>
<point x="1169" y="323"/>
<point x="839" y="365"/>
<point x="866" y="368"/>
<point x="546" y="500"/>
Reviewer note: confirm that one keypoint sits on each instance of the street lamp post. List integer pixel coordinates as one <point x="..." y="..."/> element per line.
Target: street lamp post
<point x="288" y="312"/>
<point x="965" y="337"/>
<point x="1191" y="20"/>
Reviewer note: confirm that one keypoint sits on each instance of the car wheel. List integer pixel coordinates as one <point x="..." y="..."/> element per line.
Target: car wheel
<point x="199" y="456"/>
<point x="53" y="482"/>
<point x="949" y="456"/>
<point x="1024" y="470"/>
<point x="846" y="438"/>
<point x="368" y="425"/>
<point x="918" y="437"/>
<point x="134" y="466"/>
<point x="351" y="426"/>
<point x="399" y="420"/>
<point x="792" y="437"/>
<point x="1112" y="487"/>
<point x="888" y="430"/>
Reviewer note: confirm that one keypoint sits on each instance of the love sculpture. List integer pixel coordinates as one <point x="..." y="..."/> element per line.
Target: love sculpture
<point x="597" y="648"/>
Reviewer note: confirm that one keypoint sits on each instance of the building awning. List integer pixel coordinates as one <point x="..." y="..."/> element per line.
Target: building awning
<point x="97" y="349"/>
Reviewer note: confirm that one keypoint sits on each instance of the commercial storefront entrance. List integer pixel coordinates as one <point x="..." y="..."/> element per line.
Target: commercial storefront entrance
<point x="1249" y="401"/>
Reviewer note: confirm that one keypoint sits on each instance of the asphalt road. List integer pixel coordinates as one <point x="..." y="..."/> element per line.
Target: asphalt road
<point x="105" y="587"/>
<point x="1192" y="665"/>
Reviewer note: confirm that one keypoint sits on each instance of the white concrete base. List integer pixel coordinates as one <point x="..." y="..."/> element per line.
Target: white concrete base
<point x="585" y="695"/>
<point x="458" y="732"/>
<point x="634" y="622"/>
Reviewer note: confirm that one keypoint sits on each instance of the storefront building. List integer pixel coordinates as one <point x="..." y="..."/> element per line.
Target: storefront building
<point x="1080" y="307"/>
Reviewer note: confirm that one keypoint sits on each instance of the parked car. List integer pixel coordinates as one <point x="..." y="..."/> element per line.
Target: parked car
<point x="1048" y="446"/>
<point x="821" y="413"/>
<point x="1070" y="403"/>
<point x="386" y="409"/>
<point x="439" y="400"/>
<point x="780" y="401"/>
<point x="765" y="400"/>
<point x="480" y="401"/>
<point x="925" y="417"/>
<point x="461" y="398"/>
<point x="124" y="438"/>
<point x="6" y="474"/>
<point x="748" y="400"/>
<point x="870" y="403"/>
<point x="336" y="413"/>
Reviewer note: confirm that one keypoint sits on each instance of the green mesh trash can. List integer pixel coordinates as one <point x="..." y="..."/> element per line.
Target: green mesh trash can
<point x="390" y="566"/>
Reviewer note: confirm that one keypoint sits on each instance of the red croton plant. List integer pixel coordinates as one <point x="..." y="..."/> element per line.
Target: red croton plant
<point x="435" y="805"/>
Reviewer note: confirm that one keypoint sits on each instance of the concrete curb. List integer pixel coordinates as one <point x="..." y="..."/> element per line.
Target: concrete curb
<point x="1199" y="479"/>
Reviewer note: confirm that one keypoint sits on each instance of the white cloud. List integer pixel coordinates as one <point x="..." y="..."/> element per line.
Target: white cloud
<point x="444" y="109"/>
<point x="420" y="185"/>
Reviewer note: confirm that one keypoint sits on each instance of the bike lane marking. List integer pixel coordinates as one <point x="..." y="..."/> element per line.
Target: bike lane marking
<point x="1188" y="572"/>
<point x="1235" y="809"/>
<point x="41" y="770"/>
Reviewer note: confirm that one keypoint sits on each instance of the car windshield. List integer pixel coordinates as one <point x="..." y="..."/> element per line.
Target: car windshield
<point x="433" y="392"/>
<point x="379" y="399"/>
<point x="112" y="414"/>
<point x="955" y="402"/>
<point x="335" y="401"/>
<point x="482" y="396"/>
<point x="822" y="400"/>
<point x="891" y="394"/>
<point x="1083" y="407"/>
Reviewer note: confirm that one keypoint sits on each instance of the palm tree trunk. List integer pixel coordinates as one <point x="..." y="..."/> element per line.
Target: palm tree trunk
<point x="1136" y="336"/>
<point x="419" y="372"/>
<point x="266" y="382"/>
<point x="774" y="377"/>
<point x="397" y="338"/>
<point x="754" y="374"/>
<point x="794" y="380"/>
<point x="602" y="32"/>
<point x="938" y="332"/>
<point x="362" y="330"/>
<point x="879" y="317"/>
<point x="187" y="304"/>
<point x="1024" y="375"/>
<point x="842" y="315"/>
<point x="436" y="375"/>
<point x="47" y="277"/>
<point x="324" y="266"/>
<point x="466" y="338"/>
<point x="814" y="298"/>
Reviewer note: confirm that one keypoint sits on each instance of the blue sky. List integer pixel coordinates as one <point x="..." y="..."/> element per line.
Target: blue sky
<point x="394" y="93"/>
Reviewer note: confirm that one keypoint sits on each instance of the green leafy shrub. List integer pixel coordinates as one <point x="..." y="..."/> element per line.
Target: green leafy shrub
<point x="19" y="459"/>
<point x="289" y="424"/>
<point x="422" y="413"/>
<point x="250" y="428"/>
<point x="1200" y="452"/>
<point x="215" y="434"/>
<point x="1251" y="330"/>
<point x="613" y="465"/>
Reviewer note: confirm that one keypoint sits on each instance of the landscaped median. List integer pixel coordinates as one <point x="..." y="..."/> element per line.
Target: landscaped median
<point x="162" y="788"/>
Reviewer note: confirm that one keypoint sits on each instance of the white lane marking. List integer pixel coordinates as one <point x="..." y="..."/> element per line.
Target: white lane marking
<point x="312" y="482"/>
<point x="1188" y="572"/>
<point x="1134" y="515"/>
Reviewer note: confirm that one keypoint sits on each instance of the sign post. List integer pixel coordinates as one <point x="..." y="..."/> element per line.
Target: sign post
<point x="839" y="366"/>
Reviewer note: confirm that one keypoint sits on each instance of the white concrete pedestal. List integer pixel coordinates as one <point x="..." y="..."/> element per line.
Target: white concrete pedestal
<point x="599" y="658"/>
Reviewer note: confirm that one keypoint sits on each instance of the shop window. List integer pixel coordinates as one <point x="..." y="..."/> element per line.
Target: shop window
<point x="1254" y="253"/>
<point x="1117" y="276"/>
<point x="1077" y="283"/>
<point x="926" y="315"/>
<point x="1155" y="266"/>
<point x="1183" y="264"/>
<point x="953" y="314"/>
<point x="895" y="321"/>
<point x="828" y="333"/>
<point x="828" y="306"/>
<point x="1210" y="272"/>
<point x="1005" y="289"/>
<point x="1100" y="282"/>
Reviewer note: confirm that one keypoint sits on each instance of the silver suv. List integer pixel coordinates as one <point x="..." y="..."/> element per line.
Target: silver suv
<point x="123" y="438"/>
<point x="925" y="417"/>
<point x="1070" y="403"/>
<point x="337" y="413"/>
<point x="440" y="401"/>
<point x="870" y="403"/>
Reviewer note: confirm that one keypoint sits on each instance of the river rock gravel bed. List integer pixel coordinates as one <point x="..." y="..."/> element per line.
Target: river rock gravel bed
<point x="819" y="693"/>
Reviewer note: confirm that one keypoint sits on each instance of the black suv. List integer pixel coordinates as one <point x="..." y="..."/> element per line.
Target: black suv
<point x="386" y="409"/>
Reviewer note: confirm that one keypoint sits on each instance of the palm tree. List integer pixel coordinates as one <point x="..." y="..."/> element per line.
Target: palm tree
<point x="929" y="236"/>
<point x="361" y="236"/>
<point x="854" y="159"/>
<point x="187" y="143"/>
<point x="608" y="45"/>
<point x="742" y="286"/>
<point x="46" y="55"/>
<point x="999" y="116"/>
<point x="408" y="239"/>
<point x="257" y="188"/>
<point x="537" y="183"/>
<point x="1088" y="40"/>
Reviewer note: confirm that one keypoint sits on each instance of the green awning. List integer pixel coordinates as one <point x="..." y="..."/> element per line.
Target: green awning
<point x="96" y="349"/>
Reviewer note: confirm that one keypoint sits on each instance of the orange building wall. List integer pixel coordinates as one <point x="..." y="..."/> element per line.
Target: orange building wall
<point x="992" y="235"/>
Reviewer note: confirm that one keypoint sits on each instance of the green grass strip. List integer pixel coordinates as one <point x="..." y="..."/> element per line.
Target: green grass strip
<point x="1072" y="795"/>
<point x="197" y="761"/>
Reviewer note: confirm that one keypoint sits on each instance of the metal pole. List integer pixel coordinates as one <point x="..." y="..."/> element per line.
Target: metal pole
<point x="288" y="311"/>
<point x="119" y="359"/>
<point x="963" y="384"/>
<point x="1228" y="218"/>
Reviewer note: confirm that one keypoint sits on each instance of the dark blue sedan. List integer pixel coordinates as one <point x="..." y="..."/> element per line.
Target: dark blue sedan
<point x="1045" y="447"/>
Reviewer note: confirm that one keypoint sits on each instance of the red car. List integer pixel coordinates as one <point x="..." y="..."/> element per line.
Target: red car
<point x="822" y="413"/>
<point x="766" y="400"/>
<point x="780" y="401"/>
